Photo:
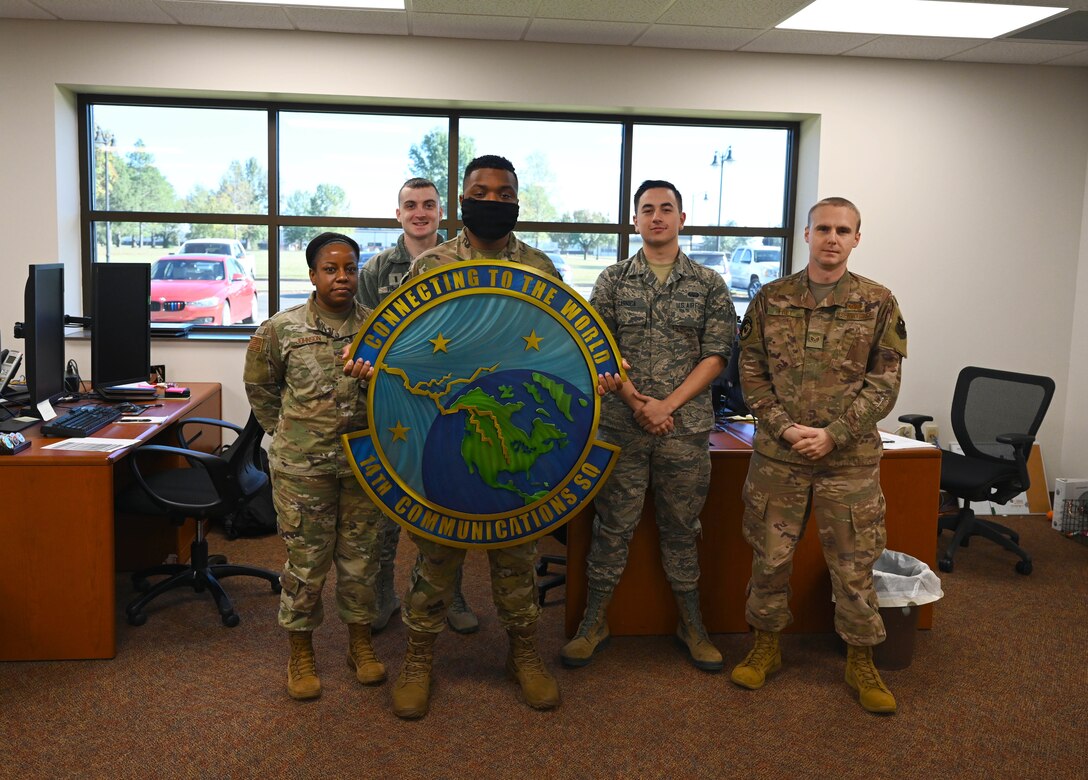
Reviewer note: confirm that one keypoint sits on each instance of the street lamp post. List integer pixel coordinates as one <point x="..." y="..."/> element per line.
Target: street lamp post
<point x="720" y="161"/>
<point x="104" y="140"/>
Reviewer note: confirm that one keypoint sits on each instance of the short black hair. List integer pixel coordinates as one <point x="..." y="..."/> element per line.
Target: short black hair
<point x="317" y="242"/>
<point x="653" y="184"/>
<point x="489" y="161"/>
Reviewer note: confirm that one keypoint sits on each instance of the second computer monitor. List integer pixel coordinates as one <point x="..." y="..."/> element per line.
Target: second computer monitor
<point x="120" y="324"/>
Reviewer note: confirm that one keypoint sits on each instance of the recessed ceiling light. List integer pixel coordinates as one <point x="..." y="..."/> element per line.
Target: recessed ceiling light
<point x="916" y="17"/>
<point x="394" y="5"/>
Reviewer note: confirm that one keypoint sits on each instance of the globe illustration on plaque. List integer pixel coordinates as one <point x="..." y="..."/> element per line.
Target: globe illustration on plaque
<point x="519" y="433"/>
<point x="482" y="406"/>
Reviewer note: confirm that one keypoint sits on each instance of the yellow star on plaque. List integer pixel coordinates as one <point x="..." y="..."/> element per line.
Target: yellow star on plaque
<point x="399" y="432"/>
<point x="440" y="343"/>
<point x="532" y="341"/>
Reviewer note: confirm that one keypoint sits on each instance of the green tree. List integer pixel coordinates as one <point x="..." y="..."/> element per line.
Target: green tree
<point x="245" y="187"/>
<point x="430" y="159"/>
<point x="534" y="183"/>
<point x="328" y="200"/>
<point x="141" y="186"/>
<point x="587" y="242"/>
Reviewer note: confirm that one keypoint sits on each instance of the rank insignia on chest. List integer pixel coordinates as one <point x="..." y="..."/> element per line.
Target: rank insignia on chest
<point x="814" y="340"/>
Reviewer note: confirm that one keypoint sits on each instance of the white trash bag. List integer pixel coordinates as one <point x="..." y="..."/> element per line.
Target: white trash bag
<point x="902" y="580"/>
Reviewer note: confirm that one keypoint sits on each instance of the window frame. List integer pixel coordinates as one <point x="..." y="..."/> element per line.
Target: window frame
<point x="450" y="224"/>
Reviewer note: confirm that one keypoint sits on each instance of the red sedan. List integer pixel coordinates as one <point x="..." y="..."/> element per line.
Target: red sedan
<point x="202" y="289"/>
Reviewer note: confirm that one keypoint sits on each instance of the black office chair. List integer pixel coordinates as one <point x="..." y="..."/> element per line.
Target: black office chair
<point x="211" y="487"/>
<point x="547" y="579"/>
<point x="995" y="415"/>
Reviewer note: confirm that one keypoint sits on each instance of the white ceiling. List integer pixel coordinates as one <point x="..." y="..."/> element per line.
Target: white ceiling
<point x="724" y="25"/>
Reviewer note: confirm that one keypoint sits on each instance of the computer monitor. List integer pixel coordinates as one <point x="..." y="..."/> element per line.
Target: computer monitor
<point x="120" y="325"/>
<point x="43" y="331"/>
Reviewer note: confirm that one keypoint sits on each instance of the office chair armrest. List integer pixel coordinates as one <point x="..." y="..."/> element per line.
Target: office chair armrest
<point x="1021" y="445"/>
<point x="916" y="420"/>
<point x="202" y="421"/>
<point x="217" y="468"/>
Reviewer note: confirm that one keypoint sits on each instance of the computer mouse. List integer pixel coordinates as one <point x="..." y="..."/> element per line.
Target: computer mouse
<point x="129" y="408"/>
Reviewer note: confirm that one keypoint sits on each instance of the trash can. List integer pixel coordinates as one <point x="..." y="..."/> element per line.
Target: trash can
<point x="903" y="584"/>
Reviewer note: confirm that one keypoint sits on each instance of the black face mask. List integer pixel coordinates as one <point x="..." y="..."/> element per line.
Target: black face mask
<point x="489" y="219"/>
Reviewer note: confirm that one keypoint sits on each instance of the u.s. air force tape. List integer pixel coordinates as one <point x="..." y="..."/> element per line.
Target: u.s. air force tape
<point x="483" y="405"/>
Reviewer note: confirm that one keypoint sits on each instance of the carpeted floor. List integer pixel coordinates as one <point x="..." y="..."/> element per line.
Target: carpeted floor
<point x="998" y="689"/>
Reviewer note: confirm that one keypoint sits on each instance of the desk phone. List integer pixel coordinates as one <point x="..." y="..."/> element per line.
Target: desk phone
<point x="11" y="363"/>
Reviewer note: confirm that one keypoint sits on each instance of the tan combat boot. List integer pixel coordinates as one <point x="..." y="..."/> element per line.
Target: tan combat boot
<point x="525" y="665"/>
<point x="368" y="669"/>
<point x="302" y="679"/>
<point x="460" y="616"/>
<point x="764" y="658"/>
<point x="592" y="634"/>
<point x="691" y="634"/>
<point x="412" y="690"/>
<point x="862" y="676"/>
<point x="388" y="603"/>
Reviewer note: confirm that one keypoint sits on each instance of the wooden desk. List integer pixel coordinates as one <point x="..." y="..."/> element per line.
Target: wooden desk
<point x="643" y="601"/>
<point x="57" y="556"/>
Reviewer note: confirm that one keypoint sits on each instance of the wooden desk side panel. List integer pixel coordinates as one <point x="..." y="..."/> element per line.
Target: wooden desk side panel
<point x="57" y="563"/>
<point x="643" y="602"/>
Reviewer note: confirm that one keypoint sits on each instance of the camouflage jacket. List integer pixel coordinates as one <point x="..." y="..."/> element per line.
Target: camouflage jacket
<point x="836" y="365"/>
<point x="295" y="383"/>
<point x="458" y="249"/>
<point x="382" y="274"/>
<point x="664" y="331"/>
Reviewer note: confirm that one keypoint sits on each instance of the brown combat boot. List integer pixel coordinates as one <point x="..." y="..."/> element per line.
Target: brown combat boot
<point x="862" y="676"/>
<point x="592" y="634"/>
<point x="460" y="616"/>
<point x="368" y="669"/>
<point x="412" y="690"/>
<point x="763" y="659"/>
<point x="691" y="635"/>
<point x="525" y="665"/>
<point x="302" y="679"/>
<point x="388" y="603"/>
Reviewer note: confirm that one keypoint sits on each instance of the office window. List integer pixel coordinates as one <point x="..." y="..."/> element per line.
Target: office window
<point x="247" y="184"/>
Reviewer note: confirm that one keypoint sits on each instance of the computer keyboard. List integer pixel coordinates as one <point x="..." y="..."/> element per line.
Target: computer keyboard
<point x="81" y="421"/>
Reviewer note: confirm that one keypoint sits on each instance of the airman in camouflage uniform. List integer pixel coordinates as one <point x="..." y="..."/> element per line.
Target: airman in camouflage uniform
<point x="674" y="322"/>
<point x="296" y="383"/>
<point x="821" y="355"/>
<point x="419" y="210"/>
<point x="489" y="210"/>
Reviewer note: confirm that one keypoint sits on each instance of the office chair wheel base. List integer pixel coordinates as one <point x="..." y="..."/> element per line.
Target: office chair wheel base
<point x="945" y="564"/>
<point x="137" y="619"/>
<point x="230" y="620"/>
<point x="1023" y="567"/>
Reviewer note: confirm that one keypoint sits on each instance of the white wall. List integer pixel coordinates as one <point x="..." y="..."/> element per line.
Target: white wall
<point x="971" y="177"/>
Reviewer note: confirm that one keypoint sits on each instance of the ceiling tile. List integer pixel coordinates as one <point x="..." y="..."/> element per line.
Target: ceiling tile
<point x="802" y="42"/>
<point x="604" y="10"/>
<point x="680" y="36"/>
<point x="22" y="9"/>
<point x="912" y="48"/>
<point x="143" y="11"/>
<point x="522" y="8"/>
<point x="568" y="31"/>
<point x="732" y="13"/>
<point x="1067" y="27"/>
<point x="350" y="20"/>
<point x="454" y="26"/>
<point x="1016" y="52"/>
<point x="1081" y="5"/>
<point x="1080" y="58"/>
<point x="266" y="17"/>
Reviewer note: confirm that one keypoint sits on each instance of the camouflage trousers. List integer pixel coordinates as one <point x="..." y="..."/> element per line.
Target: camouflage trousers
<point x="513" y="584"/>
<point x="324" y="519"/>
<point x="390" y="537"/>
<point x="678" y="470"/>
<point x="849" y="510"/>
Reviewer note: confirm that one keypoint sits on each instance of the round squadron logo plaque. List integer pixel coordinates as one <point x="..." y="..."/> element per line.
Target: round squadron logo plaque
<point x="483" y="406"/>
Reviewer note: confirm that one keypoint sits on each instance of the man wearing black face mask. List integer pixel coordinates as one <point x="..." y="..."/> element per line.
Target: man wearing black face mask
<point x="489" y="209"/>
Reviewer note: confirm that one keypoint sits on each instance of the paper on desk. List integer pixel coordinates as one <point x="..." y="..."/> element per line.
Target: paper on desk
<point x="893" y="442"/>
<point x="91" y="444"/>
